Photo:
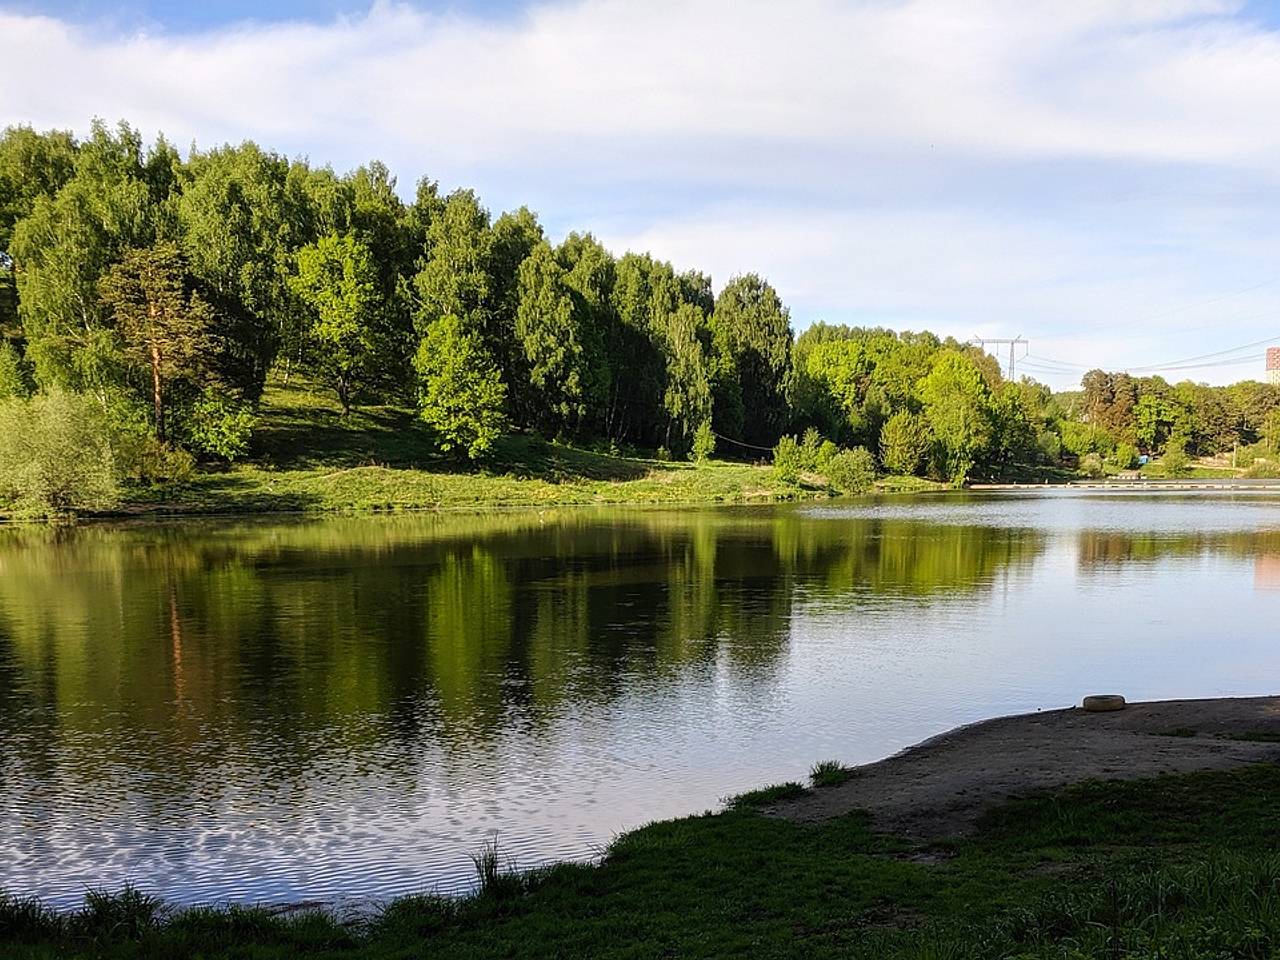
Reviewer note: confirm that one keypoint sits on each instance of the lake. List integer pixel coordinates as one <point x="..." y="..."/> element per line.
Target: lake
<point x="278" y="710"/>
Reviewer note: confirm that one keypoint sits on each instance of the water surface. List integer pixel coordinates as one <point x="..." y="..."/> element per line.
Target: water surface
<point x="270" y="711"/>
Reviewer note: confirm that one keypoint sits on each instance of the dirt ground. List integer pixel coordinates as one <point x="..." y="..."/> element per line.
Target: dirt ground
<point x="940" y="787"/>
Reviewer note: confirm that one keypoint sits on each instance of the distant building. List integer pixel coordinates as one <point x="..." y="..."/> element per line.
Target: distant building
<point x="1273" y="364"/>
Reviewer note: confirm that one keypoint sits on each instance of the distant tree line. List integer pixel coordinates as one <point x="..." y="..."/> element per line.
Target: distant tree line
<point x="163" y="291"/>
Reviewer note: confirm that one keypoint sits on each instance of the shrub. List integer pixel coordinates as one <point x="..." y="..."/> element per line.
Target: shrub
<point x="852" y="471"/>
<point x="1263" y="470"/>
<point x="788" y="460"/>
<point x="57" y="454"/>
<point x="1175" y="461"/>
<point x="1125" y="456"/>
<point x="220" y="426"/>
<point x="1091" y="466"/>
<point x="826" y="452"/>
<point x="810" y="445"/>
<point x="704" y="443"/>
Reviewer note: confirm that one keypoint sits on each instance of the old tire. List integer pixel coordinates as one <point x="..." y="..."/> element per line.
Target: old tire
<point x="1103" y="703"/>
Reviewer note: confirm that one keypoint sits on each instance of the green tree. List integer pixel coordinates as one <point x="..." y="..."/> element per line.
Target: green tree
<point x="956" y="401"/>
<point x="704" y="442"/>
<point x="163" y="324"/>
<point x="904" y="443"/>
<point x="1175" y="461"/>
<point x="564" y="355"/>
<point x="752" y="334"/>
<point x="462" y="396"/>
<point x="1270" y="430"/>
<point x="242" y="215"/>
<point x="66" y="243"/>
<point x="455" y="276"/>
<point x="32" y="165"/>
<point x="687" y="396"/>
<point x="337" y="279"/>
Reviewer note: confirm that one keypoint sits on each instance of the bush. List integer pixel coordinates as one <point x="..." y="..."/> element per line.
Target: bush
<point x="810" y="445"/>
<point x="220" y="426"/>
<point x="1091" y="466"/>
<point x="1125" y="456"/>
<point x="852" y="471"/>
<point x="57" y="454"/>
<point x="826" y="452"/>
<point x="788" y="460"/>
<point x="704" y="443"/>
<point x="1175" y="461"/>
<point x="1263" y="470"/>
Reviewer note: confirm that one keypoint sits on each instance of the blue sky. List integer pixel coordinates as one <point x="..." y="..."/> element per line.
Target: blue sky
<point x="1099" y="177"/>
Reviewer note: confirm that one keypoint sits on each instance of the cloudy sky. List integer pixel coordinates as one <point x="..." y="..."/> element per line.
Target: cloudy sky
<point x="1100" y="177"/>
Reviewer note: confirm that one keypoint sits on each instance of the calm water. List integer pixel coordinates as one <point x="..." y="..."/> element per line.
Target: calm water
<point x="335" y="708"/>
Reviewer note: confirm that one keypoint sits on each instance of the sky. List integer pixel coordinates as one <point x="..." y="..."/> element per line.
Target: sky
<point x="1098" y="177"/>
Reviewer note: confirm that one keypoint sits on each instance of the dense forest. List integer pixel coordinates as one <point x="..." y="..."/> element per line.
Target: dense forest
<point x="147" y="298"/>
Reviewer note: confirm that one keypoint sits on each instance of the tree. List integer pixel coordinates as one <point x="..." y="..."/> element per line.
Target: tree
<point x="687" y="397"/>
<point x="242" y="215"/>
<point x="32" y="165"/>
<point x="563" y="354"/>
<point x="455" y="279"/>
<point x="163" y="325"/>
<point x="338" y="281"/>
<point x="956" y="401"/>
<point x="462" y="396"/>
<point x="904" y="442"/>
<point x="1270" y="431"/>
<point x="64" y="245"/>
<point x="752" y="333"/>
<point x="1175" y="461"/>
<point x="704" y="442"/>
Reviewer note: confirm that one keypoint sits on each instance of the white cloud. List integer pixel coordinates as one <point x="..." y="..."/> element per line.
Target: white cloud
<point x="862" y="155"/>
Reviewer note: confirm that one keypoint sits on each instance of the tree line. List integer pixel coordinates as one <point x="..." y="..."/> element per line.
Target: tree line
<point x="144" y="288"/>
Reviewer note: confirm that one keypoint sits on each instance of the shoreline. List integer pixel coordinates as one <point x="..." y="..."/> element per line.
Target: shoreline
<point x="814" y="871"/>
<point x="943" y="785"/>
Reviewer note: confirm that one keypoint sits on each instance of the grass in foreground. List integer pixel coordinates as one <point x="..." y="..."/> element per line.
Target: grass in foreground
<point x="1177" y="867"/>
<point x="308" y="457"/>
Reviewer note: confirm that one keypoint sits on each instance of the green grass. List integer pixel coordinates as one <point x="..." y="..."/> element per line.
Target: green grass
<point x="1256" y="736"/>
<point x="829" y="773"/>
<point x="1175" y="867"/>
<point x="308" y="457"/>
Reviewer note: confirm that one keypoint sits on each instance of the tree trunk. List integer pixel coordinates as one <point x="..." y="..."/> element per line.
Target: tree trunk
<point x="156" y="393"/>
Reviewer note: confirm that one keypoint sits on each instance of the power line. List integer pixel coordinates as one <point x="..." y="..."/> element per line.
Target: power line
<point x="1205" y="356"/>
<point x="749" y="446"/>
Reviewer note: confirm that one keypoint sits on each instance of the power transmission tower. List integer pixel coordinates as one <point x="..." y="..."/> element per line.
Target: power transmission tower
<point x="1013" y="345"/>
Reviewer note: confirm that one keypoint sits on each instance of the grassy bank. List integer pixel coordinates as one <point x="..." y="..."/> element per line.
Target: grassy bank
<point x="1177" y="867"/>
<point x="307" y="456"/>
